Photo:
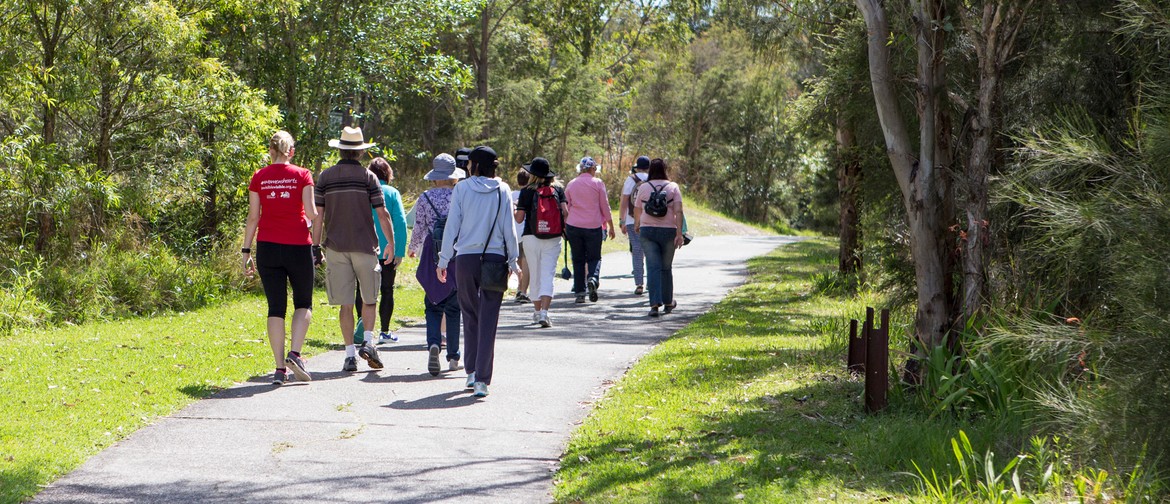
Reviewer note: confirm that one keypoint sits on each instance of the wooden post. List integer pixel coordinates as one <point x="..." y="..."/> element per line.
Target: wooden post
<point x="877" y="361"/>
<point x="856" y="356"/>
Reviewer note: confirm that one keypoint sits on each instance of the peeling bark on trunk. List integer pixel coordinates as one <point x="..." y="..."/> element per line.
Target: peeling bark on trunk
<point x="848" y="183"/>
<point x="921" y="178"/>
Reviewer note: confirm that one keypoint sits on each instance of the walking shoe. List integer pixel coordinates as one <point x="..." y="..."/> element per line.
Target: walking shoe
<point x="433" y="360"/>
<point x="370" y="354"/>
<point x="544" y="321"/>
<point x="453" y="365"/>
<point x="388" y="337"/>
<point x="592" y="286"/>
<point x="522" y="298"/>
<point x="581" y="299"/>
<point x="471" y="379"/>
<point x="297" y="366"/>
<point x="670" y="307"/>
<point x="639" y="290"/>
<point x="654" y="311"/>
<point x="279" y="377"/>
<point x="350" y="365"/>
<point x="536" y="317"/>
<point x="480" y="389"/>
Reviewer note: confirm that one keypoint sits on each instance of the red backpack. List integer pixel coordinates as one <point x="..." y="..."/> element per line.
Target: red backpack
<point x="546" y="219"/>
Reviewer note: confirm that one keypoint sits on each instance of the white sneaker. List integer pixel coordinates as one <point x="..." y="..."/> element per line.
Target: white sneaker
<point x="480" y="389"/>
<point x="471" y="380"/>
<point x="544" y="321"/>
<point x="536" y="317"/>
<point x="453" y="365"/>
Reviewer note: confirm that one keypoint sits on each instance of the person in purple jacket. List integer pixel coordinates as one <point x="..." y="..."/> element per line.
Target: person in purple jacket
<point x="440" y="299"/>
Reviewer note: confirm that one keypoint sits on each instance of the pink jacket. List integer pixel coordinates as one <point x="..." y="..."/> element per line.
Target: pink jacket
<point x="588" y="202"/>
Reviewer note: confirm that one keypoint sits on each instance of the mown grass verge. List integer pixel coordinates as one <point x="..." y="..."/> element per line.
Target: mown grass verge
<point x="68" y="392"/>
<point x="751" y="402"/>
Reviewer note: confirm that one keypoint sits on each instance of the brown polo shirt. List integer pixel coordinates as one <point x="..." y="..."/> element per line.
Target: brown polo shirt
<point x="348" y="192"/>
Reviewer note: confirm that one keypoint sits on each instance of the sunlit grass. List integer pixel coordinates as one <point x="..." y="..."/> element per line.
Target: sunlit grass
<point x="68" y="392"/>
<point x="751" y="402"/>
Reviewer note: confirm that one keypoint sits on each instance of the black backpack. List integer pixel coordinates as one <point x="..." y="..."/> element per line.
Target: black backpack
<point x="657" y="205"/>
<point x="436" y="227"/>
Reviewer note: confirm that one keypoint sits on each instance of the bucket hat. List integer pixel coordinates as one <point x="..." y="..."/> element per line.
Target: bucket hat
<point x="443" y="168"/>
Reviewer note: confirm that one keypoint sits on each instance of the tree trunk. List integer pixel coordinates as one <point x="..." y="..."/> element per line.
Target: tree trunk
<point x="480" y="58"/>
<point x="920" y="179"/>
<point x="105" y="126"/>
<point x="209" y="228"/>
<point x="848" y="184"/>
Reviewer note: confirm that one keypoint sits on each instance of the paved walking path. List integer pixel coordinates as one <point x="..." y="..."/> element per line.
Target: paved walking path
<point x="400" y="435"/>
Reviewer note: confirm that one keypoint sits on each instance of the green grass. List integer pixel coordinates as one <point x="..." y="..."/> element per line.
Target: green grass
<point x="68" y="392"/>
<point x="751" y="402"/>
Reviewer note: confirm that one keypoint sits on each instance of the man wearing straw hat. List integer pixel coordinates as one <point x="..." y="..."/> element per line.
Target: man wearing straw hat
<point x="344" y="195"/>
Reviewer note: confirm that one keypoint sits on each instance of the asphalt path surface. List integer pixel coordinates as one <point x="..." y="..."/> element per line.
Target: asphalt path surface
<point x="401" y="435"/>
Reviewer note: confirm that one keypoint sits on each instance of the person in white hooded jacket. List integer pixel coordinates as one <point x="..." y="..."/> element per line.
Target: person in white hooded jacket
<point x="479" y="229"/>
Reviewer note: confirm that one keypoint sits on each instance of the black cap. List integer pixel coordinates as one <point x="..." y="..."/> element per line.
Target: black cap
<point x="539" y="168"/>
<point x="461" y="157"/>
<point x="482" y="155"/>
<point x="643" y="163"/>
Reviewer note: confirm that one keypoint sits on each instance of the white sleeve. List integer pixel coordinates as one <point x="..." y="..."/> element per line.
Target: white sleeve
<point x="628" y="186"/>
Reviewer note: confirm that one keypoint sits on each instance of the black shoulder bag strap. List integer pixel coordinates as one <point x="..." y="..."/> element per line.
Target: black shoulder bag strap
<point x="499" y="205"/>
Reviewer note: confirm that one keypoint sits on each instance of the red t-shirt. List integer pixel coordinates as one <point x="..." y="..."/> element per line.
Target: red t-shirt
<point x="282" y="214"/>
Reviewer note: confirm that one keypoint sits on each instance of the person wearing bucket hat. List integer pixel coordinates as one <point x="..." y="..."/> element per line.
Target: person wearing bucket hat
<point x="638" y="175"/>
<point x="351" y="244"/>
<point x="481" y="241"/>
<point x="541" y="207"/>
<point x="440" y="300"/>
<point x="588" y="221"/>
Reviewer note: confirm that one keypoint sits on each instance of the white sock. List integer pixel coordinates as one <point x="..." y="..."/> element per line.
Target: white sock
<point x="543" y="313"/>
<point x="350" y="351"/>
<point x="370" y="337"/>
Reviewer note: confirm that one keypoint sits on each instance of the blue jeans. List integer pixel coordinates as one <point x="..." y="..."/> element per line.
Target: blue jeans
<point x="658" y="244"/>
<point x="434" y="313"/>
<point x="636" y="252"/>
<point x="585" y="246"/>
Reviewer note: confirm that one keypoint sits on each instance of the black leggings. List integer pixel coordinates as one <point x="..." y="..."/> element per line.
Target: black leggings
<point x="278" y="263"/>
<point x="386" y="292"/>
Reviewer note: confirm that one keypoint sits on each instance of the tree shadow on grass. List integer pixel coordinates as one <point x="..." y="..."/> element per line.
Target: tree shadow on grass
<point x="21" y="479"/>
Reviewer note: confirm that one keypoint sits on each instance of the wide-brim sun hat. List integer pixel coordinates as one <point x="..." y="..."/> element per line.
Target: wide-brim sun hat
<point x="351" y="139"/>
<point x="539" y="168"/>
<point x="443" y="168"/>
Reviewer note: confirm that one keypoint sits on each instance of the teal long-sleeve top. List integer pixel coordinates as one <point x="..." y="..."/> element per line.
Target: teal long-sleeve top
<point x="397" y="218"/>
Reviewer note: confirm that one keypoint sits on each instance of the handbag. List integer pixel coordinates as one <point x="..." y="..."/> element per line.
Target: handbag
<point x="493" y="276"/>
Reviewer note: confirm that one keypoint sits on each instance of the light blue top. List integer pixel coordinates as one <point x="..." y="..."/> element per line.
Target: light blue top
<point x="473" y="205"/>
<point x="397" y="219"/>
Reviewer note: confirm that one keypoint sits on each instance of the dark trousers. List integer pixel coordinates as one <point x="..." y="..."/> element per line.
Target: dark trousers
<point x="434" y="314"/>
<point x="386" y="305"/>
<point x="481" y="315"/>
<point x="585" y="248"/>
<point x="279" y="265"/>
<point x="658" y="244"/>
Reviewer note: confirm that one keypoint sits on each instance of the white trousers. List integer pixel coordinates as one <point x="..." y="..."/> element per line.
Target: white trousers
<point x="542" y="255"/>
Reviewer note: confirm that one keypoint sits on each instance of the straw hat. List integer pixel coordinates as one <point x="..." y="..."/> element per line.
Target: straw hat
<point x="351" y="139"/>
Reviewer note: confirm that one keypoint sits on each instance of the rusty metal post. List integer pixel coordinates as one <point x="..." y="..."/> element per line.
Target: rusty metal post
<point x="856" y="356"/>
<point x="877" y="362"/>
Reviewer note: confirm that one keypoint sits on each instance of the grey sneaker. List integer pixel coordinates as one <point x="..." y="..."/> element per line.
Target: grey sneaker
<point x="471" y="379"/>
<point x="350" y="365"/>
<point x="433" y="360"/>
<point x="536" y="317"/>
<point x="480" y="389"/>
<point x="592" y="286"/>
<point x="368" y="352"/>
<point x="581" y="299"/>
<point x="670" y="307"/>
<point x="453" y="365"/>
<point x="297" y="366"/>
<point x="279" y="377"/>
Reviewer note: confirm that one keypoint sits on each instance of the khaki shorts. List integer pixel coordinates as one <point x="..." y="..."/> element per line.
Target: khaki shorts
<point x="345" y="271"/>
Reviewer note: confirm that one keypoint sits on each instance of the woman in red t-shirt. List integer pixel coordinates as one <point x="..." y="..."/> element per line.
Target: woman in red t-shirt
<point x="280" y="211"/>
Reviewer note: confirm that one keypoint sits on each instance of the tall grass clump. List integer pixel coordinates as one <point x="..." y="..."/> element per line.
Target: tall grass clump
<point x="1087" y="284"/>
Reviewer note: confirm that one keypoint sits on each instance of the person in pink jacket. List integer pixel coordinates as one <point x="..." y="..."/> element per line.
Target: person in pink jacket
<point x="588" y="221"/>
